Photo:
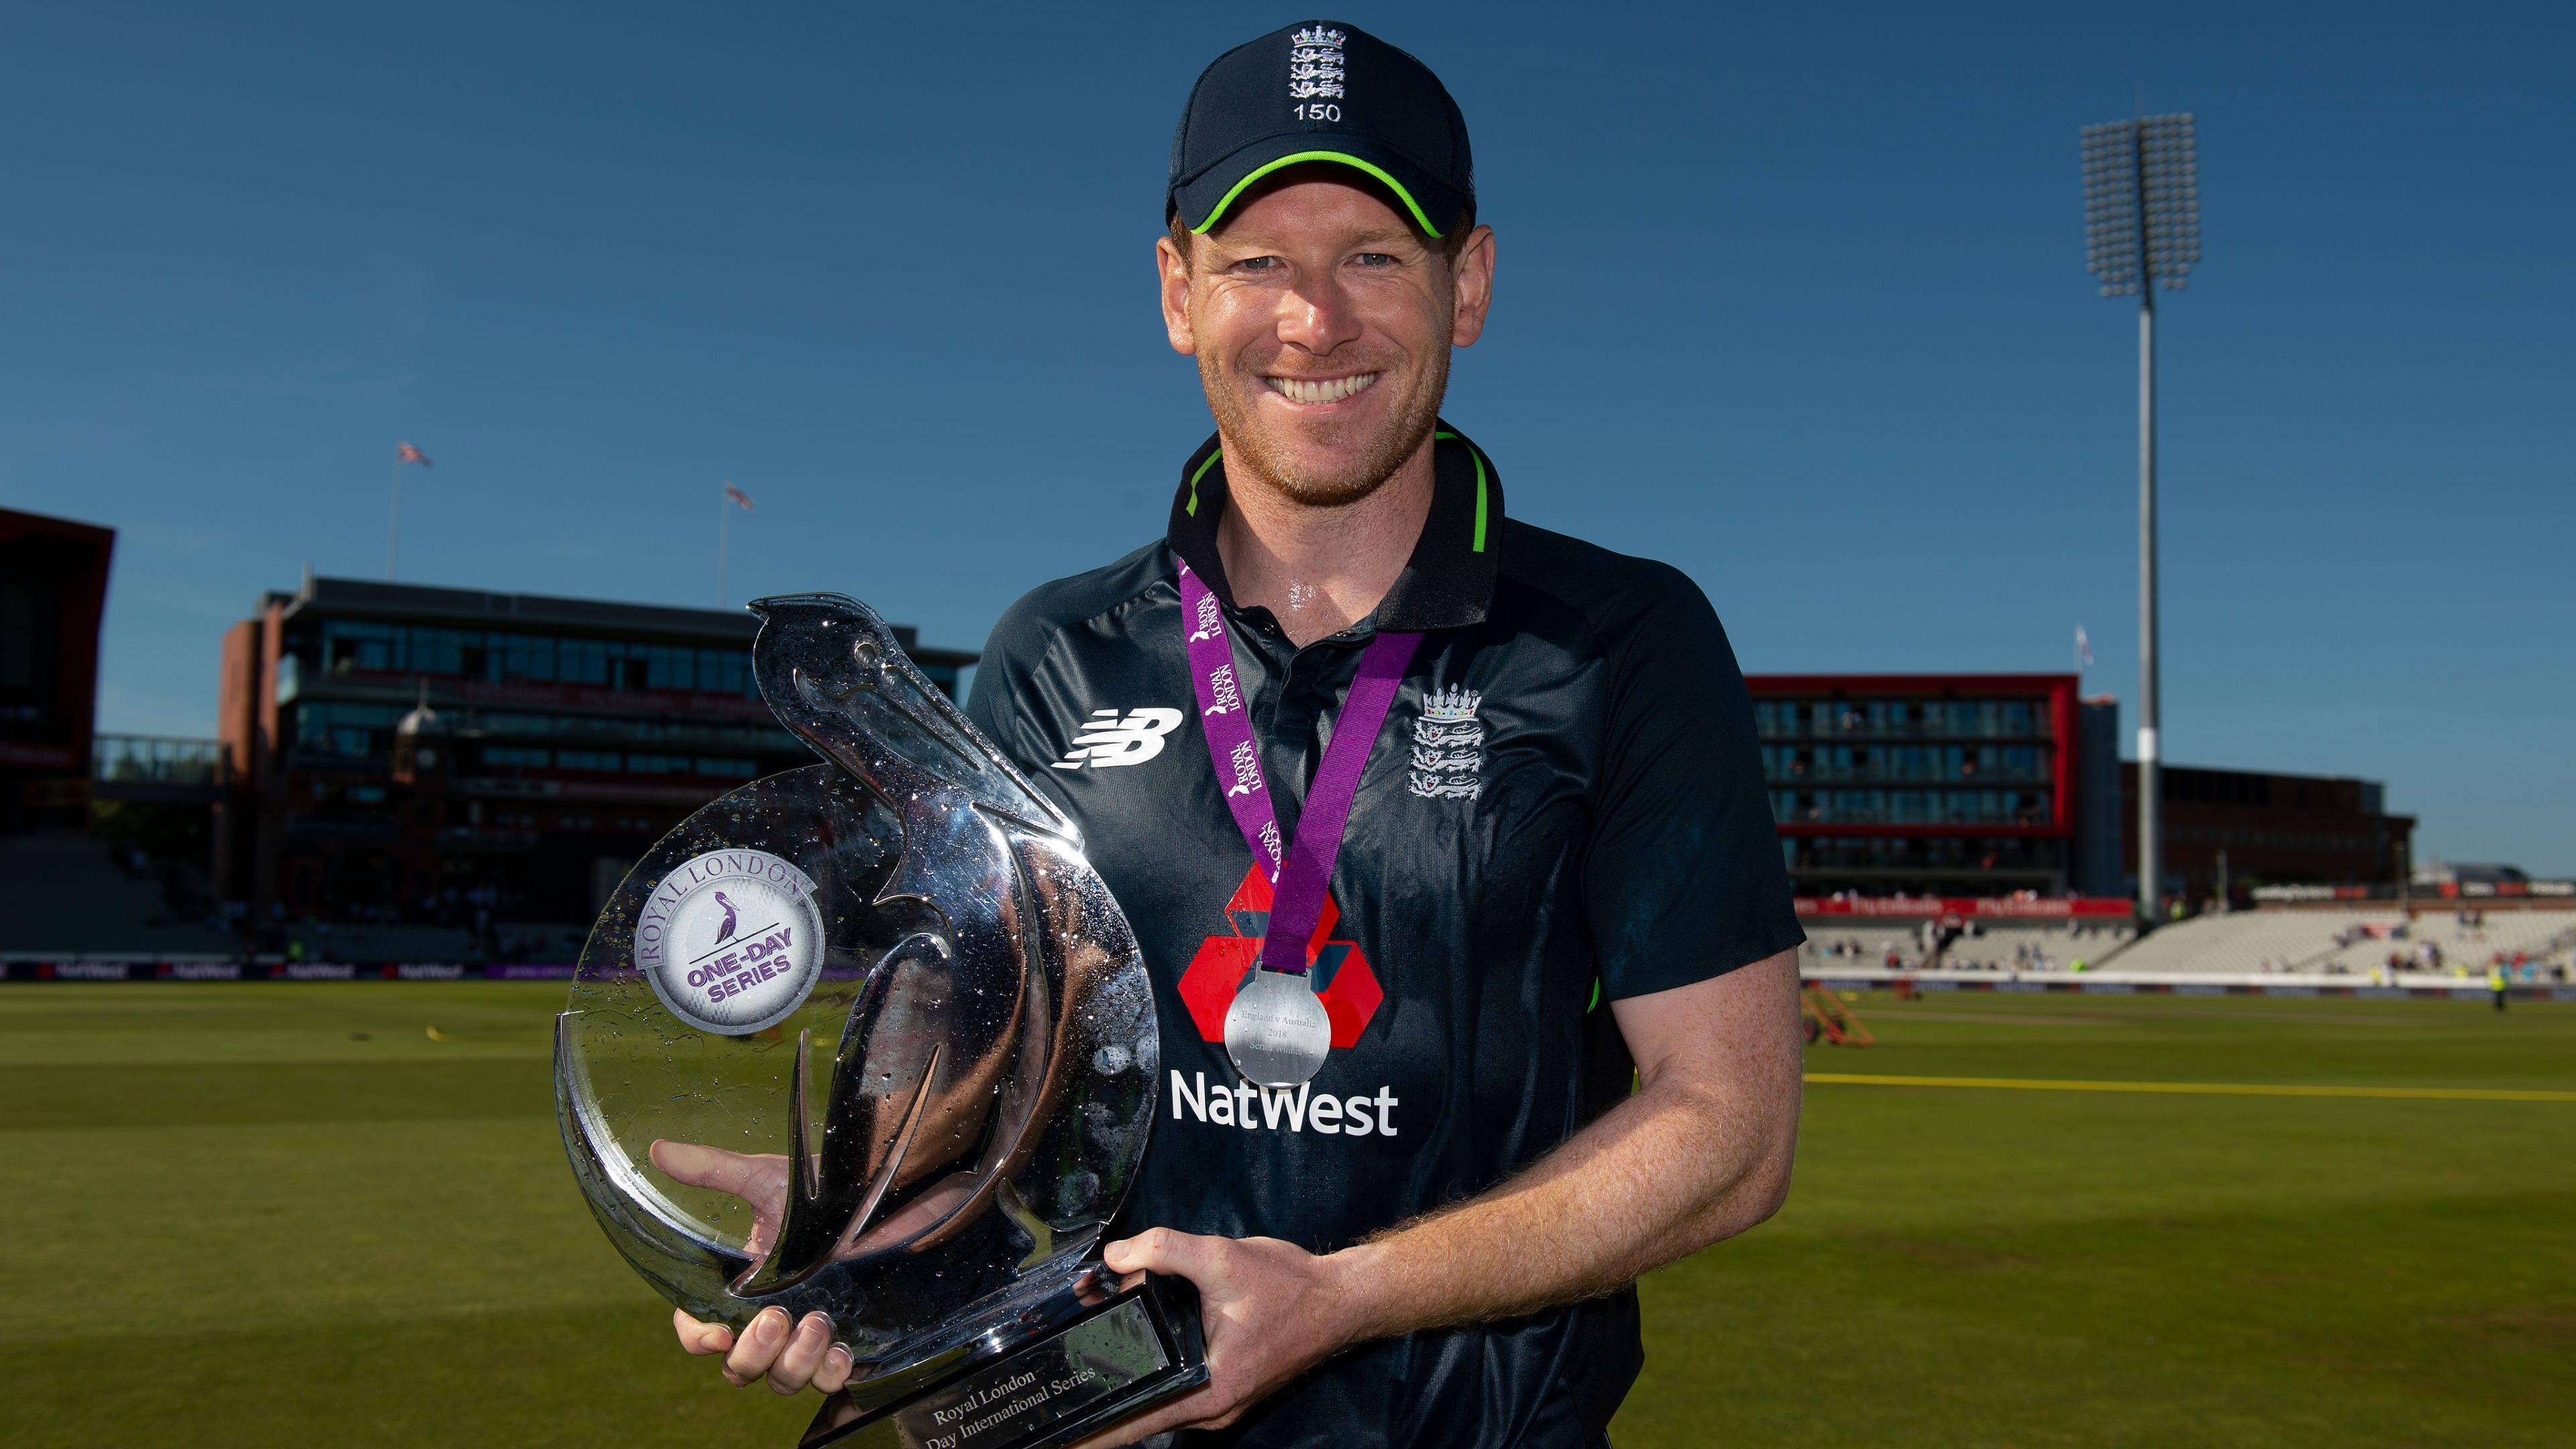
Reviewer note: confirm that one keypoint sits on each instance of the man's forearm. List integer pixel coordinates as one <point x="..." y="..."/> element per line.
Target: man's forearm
<point x="1683" y="1163"/>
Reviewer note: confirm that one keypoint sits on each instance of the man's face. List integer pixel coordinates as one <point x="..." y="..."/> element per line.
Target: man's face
<point x="1322" y="323"/>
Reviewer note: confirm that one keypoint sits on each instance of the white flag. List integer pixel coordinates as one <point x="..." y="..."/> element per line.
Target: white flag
<point x="2083" y="647"/>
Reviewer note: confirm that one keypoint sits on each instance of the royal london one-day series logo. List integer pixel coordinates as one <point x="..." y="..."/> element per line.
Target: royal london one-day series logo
<point x="731" y="941"/>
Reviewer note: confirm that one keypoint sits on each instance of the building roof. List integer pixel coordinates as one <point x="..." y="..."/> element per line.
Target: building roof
<point x="1907" y="683"/>
<point x="14" y="524"/>
<point x="377" y="599"/>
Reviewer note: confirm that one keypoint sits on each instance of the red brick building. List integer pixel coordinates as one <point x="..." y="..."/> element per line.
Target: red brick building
<point x="2262" y="829"/>
<point x="53" y="592"/>
<point x="1988" y="784"/>
<point x="422" y="753"/>
<point x="1934" y="784"/>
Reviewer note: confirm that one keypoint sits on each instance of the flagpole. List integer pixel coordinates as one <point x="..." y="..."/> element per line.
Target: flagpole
<point x="393" y="529"/>
<point x="724" y="528"/>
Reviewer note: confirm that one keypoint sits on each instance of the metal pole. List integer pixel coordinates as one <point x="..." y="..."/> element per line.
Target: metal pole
<point x="724" y="526"/>
<point x="393" y="530"/>
<point x="2150" y="791"/>
<point x="2146" y="237"/>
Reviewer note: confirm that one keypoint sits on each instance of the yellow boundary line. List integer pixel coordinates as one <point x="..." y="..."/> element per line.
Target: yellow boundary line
<point x="2202" y="1089"/>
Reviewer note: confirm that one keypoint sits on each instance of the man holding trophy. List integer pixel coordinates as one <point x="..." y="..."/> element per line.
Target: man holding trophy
<point x="1442" y="838"/>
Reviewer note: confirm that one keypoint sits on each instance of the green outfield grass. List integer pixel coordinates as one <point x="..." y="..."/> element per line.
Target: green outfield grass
<point x="285" y="1215"/>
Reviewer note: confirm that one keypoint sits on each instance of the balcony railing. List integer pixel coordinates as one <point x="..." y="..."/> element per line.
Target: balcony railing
<point x="156" y="760"/>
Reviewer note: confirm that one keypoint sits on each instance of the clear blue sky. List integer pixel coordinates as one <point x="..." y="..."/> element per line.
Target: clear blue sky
<point x="1791" y="296"/>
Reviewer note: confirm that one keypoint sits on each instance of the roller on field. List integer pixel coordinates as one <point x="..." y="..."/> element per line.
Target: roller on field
<point x="1827" y="1016"/>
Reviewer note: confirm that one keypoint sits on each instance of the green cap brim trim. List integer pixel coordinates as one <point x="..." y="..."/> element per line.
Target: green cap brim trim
<point x="1344" y="158"/>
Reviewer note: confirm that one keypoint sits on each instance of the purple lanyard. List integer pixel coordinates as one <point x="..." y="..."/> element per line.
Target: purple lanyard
<point x="1225" y="717"/>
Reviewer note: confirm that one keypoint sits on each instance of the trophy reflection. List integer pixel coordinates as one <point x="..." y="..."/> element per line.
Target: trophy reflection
<point x="871" y="1039"/>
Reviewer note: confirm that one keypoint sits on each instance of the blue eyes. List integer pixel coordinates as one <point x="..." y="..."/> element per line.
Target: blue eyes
<point x="1269" y="264"/>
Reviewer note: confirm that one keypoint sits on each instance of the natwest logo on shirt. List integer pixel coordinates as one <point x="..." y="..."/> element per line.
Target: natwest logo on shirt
<point x="1109" y="738"/>
<point x="1275" y="1108"/>
<point x="1351" y="995"/>
<point x="1339" y="969"/>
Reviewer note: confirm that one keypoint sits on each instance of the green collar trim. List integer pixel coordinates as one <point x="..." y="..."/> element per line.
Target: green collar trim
<point x="1478" y="546"/>
<point x="1448" y="581"/>
<point x="1201" y="472"/>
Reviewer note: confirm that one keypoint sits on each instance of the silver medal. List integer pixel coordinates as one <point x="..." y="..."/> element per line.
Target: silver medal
<point x="1276" y="1030"/>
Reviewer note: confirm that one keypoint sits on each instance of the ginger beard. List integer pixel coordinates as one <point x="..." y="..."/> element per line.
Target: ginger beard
<point x="1357" y="455"/>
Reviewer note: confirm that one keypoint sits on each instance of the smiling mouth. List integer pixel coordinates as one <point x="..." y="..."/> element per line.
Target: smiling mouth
<point x="1316" y="391"/>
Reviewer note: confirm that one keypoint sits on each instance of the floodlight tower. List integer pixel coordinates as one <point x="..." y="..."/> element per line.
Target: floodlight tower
<point x="2141" y="228"/>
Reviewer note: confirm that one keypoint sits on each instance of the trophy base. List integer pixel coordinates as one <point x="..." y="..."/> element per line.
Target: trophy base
<point x="1134" y="1350"/>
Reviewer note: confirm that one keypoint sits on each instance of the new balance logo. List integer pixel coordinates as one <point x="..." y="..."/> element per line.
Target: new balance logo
<point x="1110" y="738"/>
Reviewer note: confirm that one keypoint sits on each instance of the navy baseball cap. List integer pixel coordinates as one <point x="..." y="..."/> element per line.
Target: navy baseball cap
<point x="1320" y="91"/>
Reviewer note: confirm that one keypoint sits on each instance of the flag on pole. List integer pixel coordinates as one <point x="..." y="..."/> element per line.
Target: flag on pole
<point x="406" y="453"/>
<point x="724" y="526"/>
<point x="2083" y="647"/>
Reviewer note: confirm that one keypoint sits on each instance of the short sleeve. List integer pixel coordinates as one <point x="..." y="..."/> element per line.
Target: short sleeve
<point x="1002" y="680"/>
<point x="1684" y="878"/>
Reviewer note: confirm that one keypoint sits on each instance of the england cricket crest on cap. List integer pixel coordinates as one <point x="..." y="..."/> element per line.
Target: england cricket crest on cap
<point x="1315" y="63"/>
<point x="1448" y="746"/>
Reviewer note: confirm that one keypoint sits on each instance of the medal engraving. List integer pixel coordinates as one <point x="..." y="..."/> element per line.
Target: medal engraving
<point x="1276" y="1030"/>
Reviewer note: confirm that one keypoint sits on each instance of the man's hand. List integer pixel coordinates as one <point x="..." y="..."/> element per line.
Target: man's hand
<point x="1272" y="1311"/>
<point x="1701" y="1152"/>
<point x="760" y="1180"/>
<point x="765" y="1349"/>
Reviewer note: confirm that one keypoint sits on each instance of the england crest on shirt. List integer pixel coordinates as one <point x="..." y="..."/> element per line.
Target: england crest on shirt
<point x="1448" y="746"/>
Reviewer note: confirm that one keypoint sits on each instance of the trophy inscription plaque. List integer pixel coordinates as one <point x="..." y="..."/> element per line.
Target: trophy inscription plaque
<point x="897" y="1046"/>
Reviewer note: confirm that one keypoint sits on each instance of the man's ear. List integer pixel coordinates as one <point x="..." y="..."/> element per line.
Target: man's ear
<point x="1174" y="270"/>
<point x="1471" y="281"/>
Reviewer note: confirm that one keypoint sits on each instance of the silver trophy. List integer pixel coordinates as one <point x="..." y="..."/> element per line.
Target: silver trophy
<point x="870" y="1038"/>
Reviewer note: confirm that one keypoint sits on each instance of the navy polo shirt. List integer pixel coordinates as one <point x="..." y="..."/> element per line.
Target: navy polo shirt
<point x="1565" y="807"/>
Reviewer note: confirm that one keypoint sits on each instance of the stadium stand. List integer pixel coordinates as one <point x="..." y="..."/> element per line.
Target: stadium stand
<point x="2249" y="941"/>
<point x="63" y="893"/>
<point x="2355" y="942"/>
<point x="2465" y="940"/>
<point x="371" y="943"/>
<point x="546" y="941"/>
<point x="2035" y="945"/>
<point x="2006" y="945"/>
<point x="368" y="943"/>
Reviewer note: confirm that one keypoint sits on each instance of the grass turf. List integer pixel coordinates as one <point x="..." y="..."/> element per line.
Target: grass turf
<point x="269" y="1214"/>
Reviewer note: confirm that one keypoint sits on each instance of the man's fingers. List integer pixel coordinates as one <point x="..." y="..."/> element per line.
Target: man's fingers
<point x="700" y="1166"/>
<point x="1162" y="1250"/>
<point x="1191" y="1410"/>
<point x="760" y="1346"/>
<point x="700" y="1338"/>
<point x="834" y="1375"/>
<point x="802" y="1356"/>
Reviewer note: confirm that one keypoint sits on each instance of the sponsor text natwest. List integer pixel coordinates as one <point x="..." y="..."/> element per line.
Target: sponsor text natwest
<point x="1276" y="1108"/>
